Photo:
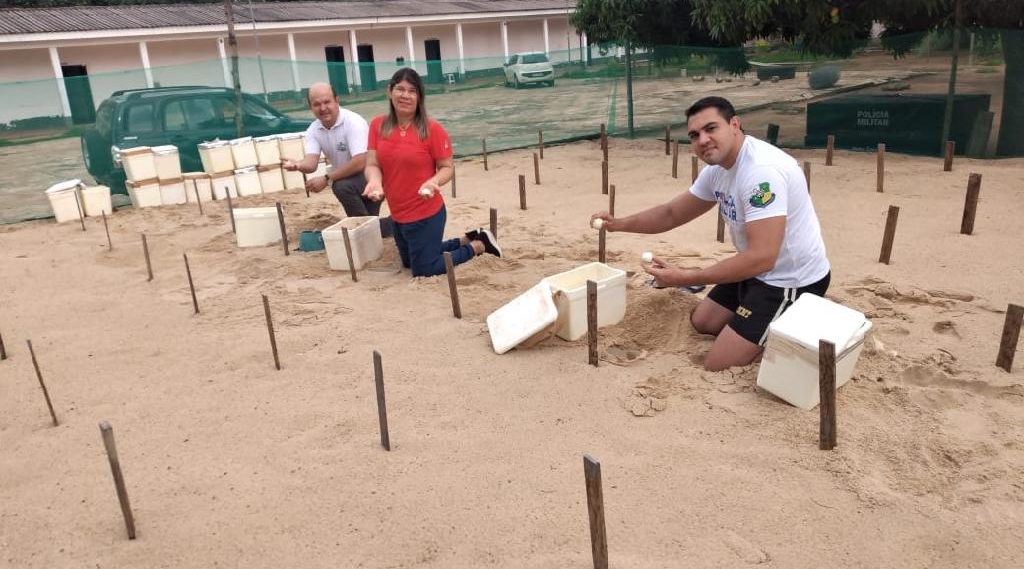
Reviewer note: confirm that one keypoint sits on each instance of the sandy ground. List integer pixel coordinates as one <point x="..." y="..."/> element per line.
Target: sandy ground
<point x="230" y="463"/>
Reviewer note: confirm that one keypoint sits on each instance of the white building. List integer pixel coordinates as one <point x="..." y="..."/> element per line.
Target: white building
<point x="286" y="49"/>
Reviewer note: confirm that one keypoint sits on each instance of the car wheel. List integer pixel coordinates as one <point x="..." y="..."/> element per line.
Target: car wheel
<point x="515" y="81"/>
<point x="96" y="154"/>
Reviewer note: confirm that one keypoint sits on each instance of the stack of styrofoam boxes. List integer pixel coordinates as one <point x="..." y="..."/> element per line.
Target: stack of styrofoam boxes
<point x="268" y="154"/>
<point x="218" y="163"/>
<point x="140" y="170"/>
<point x="197" y="186"/>
<point x="247" y="179"/>
<point x="168" y="171"/>
<point x="292" y="147"/>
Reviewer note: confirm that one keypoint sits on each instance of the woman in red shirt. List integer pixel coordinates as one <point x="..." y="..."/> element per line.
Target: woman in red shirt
<point x="408" y="159"/>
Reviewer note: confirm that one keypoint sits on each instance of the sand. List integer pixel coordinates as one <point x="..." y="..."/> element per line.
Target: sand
<point x="230" y="463"/>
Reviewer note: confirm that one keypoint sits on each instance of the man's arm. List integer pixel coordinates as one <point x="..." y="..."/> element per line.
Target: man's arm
<point x="680" y="210"/>
<point x="354" y="166"/>
<point x="306" y="165"/>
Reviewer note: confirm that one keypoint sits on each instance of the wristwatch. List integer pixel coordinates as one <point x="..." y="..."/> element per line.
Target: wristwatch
<point x="327" y="178"/>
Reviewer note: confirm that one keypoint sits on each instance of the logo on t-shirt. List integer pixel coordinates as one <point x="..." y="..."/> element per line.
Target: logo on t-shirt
<point x="342" y="147"/>
<point x="762" y="195"/>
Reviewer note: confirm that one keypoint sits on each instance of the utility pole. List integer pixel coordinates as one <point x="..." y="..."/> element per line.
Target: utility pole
<point x="236" y="82"/>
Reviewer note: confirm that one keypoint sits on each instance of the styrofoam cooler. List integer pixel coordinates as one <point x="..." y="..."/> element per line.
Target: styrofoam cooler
<point x="139" y="163"/>
<point x="247" y="181"/>
<point x="291" y="146"/>
<point x="524" y="319"/>
<point x="364" y="237"/>
<point x="293" y="180"/>
<point x="256" y="226"/>
<point x="789" y="366"/>
<point x="96" y="201"/>
<point x="64" y="200"/>
<point x="243" y="151"/>
<point x="168" y="163"/>
<point x="270" y="178"/>
<point x="216" y="157"/>
<point x="198" y="183"/>
<point x="570" y="290"/>
<point x="144" y="193"/>
<point x="172" y="191"/>
<point x="223" y="185"/>
<point x="268" y="152"/>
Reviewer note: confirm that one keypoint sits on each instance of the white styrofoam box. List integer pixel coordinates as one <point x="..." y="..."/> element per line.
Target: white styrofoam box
<point x="268" y="152"/>
<point x="789" y="366"/>
<point x="291" y="146"/>
<point x="172" y="192"/>
<point x="243" y="151"/>
<point x="198" y="183"/>
<point x="96" y="201"/>
<point x="293" y="180"/>
<point x="270" y="179"/>
<point x="256" y="226"/>
<point x="522" y="318"/>
<point x="216" y="157"/>
<point x="168" y="164"/>
<point x="64" y="200"/>
<point x="144" y="193"/>
<point x="363" y="235"/>
<point x="223" y="185"/>
<point x="571" y="297"/>
<point x="247" y="181"/>
<point x="138" y="163"/>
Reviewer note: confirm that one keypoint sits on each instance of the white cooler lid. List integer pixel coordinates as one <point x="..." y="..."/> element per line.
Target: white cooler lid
<point x="255" y="212"/>
<point x="522" y="317"/>
<point x="812" y="318"/>
<point x="63" y="186"/>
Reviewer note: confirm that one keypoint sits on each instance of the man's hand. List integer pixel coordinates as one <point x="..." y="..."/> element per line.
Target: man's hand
<point x="290" y="165"/>
<point x="607" y="221"/>
<point x="666" y="275"/>
<point x="317" y="184"/>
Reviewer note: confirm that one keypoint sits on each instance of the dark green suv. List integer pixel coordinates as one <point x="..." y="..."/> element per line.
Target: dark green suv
<point x="182" y="116"/>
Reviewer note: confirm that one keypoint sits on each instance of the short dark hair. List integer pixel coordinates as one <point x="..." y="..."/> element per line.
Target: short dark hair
<point x="723" y="105"/>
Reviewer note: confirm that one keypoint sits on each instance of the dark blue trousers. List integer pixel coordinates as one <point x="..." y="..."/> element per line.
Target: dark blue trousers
<point x="421" y="247"/>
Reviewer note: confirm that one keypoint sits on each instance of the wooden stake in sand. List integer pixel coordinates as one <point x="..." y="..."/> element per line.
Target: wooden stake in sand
<point x="595" y="510"/>
<point x="604" y="177"/>
<point x="284" y="232"/>
<point x="675" y="160"/>
<point x="195" y="190"/>
<point x="540" y="143"/>
<point x="522" y="191"/>
<point x="602" y="240"/>
<point x="880" y="183"/>
<point x="890" y="234"/>
<point x="592" y="321"/>
<point x="454" y="193"/>
<point x="830" y="147"/>
<point x="536" y="169"/>
<point x="720" y="232"/>
<point x="3" y="349"/>
<point x="382" y="410"/>
<point x="947" y="165"/>
<point x="106" y="228"/>
<point x="1011" y="334"/>
<point x="772" y="136"/>
<point x="604" y="141"/>
<point x="494" y="222"/>
<point x="453" y="289"/>
<point x="970" y="204"/>
<point x="191" y="286"/>
<point x="270" y="330"/>
<point x="827" y="390"/>
<point x="145" y="251"/>
<point x="611" y="200"/>
<point x="694" y="169"/>
<point x="348" y="252"/>
<point x="78" y="204"/>
<point x="807" y="175"/>
<point x="42" y="384"/>
<point x="668" y="139"/>
<point x="231" y="210"/>
<point x="115" y="468"/>
<point x="484" y="143"/>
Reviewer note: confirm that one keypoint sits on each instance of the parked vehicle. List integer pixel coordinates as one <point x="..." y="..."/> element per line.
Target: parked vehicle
<point x="182" y="116"/>
<point x="528" y="69"/>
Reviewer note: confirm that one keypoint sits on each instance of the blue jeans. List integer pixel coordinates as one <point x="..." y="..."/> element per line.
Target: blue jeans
<point x="421" y="247"/>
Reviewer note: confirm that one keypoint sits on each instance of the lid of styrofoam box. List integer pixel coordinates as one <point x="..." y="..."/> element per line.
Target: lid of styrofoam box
<point x="272" y="137"/>
<point x="246" y="170"/>
<point x="63" y="186"/>
<point x="289" y="136"/>
<point x="195" y="175"/>
<point x="255" y="212"/>
<point x="135" y="150"/>
<point x="165" y="149"/>
<point x="812" y="318"/>
<point x="213" y="144"/>
<point x="522" y="317"/>
<point x="241" y="140"/>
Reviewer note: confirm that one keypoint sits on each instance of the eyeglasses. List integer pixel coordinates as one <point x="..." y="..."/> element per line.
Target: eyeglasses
<point x="404" y="91"/>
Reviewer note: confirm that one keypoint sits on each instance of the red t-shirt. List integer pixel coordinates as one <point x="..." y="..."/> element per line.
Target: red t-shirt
<point x="406" y="162"/>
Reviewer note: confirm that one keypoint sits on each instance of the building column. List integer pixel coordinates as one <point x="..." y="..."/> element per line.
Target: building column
<point x="411" y="46"/>
<point x="144" y="54"/>
<point x="547" y="41"/>
<point x="584" y="49"/>
<point x="295" y="64"/>
<point x="224" y="65"/>
<point x="356" y="75"/>
<point x="462" y="49"/>
<point x="504" y="39"/>
<point x="65" y="106"/>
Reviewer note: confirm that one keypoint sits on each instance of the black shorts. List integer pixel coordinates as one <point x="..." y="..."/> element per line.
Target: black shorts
<point x="757" y="304"/>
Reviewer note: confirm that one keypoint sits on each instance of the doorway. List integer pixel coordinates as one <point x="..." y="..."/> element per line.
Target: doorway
<point x="435" y="72"/>
<point x="76" y="82"/>
<point x="336" y="75"/>
<point x="367" y="68"/>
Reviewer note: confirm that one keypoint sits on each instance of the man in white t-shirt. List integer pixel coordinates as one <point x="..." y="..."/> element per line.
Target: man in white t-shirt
<point x="762" y="195"/>
<point x="341" y="135"/>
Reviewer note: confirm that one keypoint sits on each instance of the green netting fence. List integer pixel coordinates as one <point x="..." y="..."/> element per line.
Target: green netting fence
<point x="862" y="100"/>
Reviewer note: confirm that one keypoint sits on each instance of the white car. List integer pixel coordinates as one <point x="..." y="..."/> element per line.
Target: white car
<point x="527" y="68"/>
